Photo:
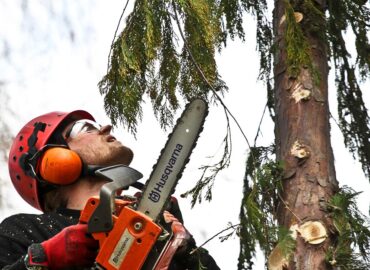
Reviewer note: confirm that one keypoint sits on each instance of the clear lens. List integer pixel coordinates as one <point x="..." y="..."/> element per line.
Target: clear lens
<point x="83" y="125"/>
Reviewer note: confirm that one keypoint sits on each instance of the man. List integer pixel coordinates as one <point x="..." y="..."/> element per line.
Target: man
<point x="60" y="188"/>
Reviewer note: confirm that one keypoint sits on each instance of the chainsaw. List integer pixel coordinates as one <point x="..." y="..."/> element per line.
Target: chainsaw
<point x="129" y="232"/>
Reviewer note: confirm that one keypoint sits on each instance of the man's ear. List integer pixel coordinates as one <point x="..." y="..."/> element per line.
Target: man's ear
<point x="60" y="166"/>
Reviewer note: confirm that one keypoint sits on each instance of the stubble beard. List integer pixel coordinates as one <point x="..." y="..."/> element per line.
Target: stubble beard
<point x="108" y="154"/>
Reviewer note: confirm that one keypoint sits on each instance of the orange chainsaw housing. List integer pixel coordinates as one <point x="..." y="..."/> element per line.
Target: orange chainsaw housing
<point x="132" y="238"/>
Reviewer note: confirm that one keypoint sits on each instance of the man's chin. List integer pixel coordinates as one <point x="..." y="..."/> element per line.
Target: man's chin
<point x="129" y="156"/>
<point x="123" y="156"/>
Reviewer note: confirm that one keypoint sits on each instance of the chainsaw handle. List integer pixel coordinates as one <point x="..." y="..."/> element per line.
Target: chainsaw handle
<point x="179" y="238"/>
<point x="120" y="176"/>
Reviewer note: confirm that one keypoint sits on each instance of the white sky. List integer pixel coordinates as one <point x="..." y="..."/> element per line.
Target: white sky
<point x="46" y="72"/>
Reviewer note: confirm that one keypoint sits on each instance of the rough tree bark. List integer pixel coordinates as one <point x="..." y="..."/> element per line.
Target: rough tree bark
<point x="303" y="143"/>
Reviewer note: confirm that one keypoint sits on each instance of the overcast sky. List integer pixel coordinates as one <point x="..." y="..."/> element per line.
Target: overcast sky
<point x="45" y="71"/>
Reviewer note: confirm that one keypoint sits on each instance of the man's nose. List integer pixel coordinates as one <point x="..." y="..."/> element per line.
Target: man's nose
<point x="105" y="129"/>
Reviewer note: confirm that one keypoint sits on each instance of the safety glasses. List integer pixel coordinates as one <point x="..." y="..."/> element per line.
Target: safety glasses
<point x="82" y="126"/>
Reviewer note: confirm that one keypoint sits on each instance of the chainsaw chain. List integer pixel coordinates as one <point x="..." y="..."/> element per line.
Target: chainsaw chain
<point x="179" y="175"/>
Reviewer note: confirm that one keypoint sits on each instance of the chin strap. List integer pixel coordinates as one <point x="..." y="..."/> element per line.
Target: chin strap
<point x="89" y="170"/>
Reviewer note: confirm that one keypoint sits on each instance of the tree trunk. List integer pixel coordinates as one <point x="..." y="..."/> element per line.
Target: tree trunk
<point x="303" y="142"/>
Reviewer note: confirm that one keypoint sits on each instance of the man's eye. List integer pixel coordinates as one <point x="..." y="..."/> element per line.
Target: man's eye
<point x="88" y="128"/>
<point x="84" y="129"/>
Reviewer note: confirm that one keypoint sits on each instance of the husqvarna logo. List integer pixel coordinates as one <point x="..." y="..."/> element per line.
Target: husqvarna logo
<point x="121" y="249"/>
<point x="155" y="193"/>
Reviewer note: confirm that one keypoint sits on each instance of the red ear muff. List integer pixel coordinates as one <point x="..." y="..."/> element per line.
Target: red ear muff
<point x="60" y="166"/>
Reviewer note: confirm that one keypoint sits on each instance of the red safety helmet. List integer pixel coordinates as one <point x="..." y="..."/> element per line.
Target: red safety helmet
<point x="31" y="138"/>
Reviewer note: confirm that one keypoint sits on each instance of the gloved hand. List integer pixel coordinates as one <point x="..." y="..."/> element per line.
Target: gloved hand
<point x="188" y="256"/>
<point x="70" y="247"/>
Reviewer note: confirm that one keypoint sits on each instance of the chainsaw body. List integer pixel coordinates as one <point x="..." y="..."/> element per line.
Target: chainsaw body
<point x="133" y="238"/>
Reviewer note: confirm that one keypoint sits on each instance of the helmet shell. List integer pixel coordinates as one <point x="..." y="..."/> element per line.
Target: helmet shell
<point x="26" y="185"/>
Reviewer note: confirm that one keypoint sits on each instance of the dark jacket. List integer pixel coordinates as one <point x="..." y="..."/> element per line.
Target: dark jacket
<point x="19" y="231"/>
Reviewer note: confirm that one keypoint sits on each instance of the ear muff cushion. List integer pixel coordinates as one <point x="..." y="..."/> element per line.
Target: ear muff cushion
<point x="60" y="166"/>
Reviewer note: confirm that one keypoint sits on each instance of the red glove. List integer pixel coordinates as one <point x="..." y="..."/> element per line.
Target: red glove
<point x="70" y="247"/>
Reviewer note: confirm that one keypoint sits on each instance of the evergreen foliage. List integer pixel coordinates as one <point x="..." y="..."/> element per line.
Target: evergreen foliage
<point x="207" y="180"/>
<point x="353" y="232"/>
<point x="353" y="116"/>
<point x="286" y="242"/>
<point x="262" y="186"/>
<point x="297" y="47"/>
<point x="147" y="58"/>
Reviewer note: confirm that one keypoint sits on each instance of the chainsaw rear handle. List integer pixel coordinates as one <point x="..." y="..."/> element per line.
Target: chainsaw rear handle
<point x="180" y="237"/>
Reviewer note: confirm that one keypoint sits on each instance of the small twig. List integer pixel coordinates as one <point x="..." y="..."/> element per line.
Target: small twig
<point x="115" y="32"/>
<point x="214" y="236"/>
<point x="290" y="210"/>
<point x="335" y="120"/>
<point x="259" y="126"/>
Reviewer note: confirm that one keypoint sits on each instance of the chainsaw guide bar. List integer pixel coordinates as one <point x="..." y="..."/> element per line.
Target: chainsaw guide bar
<point x="172" y="160"/>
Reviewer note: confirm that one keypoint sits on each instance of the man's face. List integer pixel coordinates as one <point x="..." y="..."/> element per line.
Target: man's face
<point x="95" y="145"/>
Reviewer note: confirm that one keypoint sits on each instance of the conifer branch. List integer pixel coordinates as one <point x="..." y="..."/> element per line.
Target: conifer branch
<point x="352" y="229"/>
<point x="208" y="181"/>
<point x="353" y="117"/>
<point x="214" y="91"/>
<point x="234" y="227"/>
